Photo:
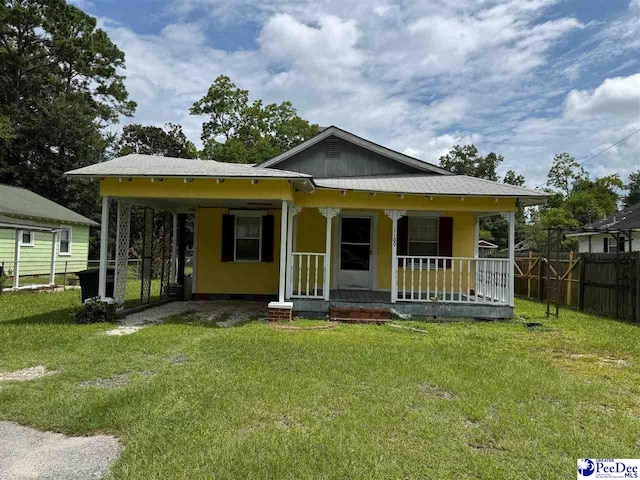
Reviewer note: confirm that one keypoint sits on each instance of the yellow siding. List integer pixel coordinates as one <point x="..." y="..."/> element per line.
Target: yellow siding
<point x="198" y="188"/>
<point x="311" y="230"/>
<point x="215" y="276"/>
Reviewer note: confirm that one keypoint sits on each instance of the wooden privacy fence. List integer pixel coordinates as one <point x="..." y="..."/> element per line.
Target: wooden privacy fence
<point x="600" y="283"/>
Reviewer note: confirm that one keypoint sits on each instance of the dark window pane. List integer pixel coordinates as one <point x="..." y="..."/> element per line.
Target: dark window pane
<point x="422" y="249"/>
<point x="248" y="249"/>
<point x="356" y="230"/>
<point x="354" y="257"/>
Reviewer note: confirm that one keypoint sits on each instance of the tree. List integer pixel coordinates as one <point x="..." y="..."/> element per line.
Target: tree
<point x="633" y="187"/>
<point x="146" y="139"/>
<point x="512" y="178"/>
<point x="564" y="172"/>
<point x="466" y="161"/>
<point x="60" y="87"/>
<point x="590" y="201"/>
<point x="242" y="132"/>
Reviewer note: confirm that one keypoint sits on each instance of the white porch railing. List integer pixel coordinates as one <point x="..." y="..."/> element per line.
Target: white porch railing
<point x="454" y="279"/>
<point x="307" y="274"/>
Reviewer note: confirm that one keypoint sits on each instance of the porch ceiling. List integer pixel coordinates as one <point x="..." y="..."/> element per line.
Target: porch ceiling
<point x="189" y="205"/>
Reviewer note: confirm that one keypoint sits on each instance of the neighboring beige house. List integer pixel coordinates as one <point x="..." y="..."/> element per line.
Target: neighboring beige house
<point x="40" y="237"/>
<point x="619" y="232"/>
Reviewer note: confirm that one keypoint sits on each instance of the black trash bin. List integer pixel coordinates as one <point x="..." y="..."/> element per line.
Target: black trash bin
<point x="89" y="280"/>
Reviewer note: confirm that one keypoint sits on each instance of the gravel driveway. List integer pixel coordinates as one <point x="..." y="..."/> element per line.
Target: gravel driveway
<point x="26" y="453"/>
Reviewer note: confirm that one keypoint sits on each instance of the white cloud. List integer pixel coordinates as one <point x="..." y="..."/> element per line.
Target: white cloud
<point x="618" y="96"/>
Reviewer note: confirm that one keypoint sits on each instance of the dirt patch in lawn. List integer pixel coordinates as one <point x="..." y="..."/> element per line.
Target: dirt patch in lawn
<point x="590" y="357"/>
<point x="30" y="373"/>
<point x="177" y="359"/>
<point x="113" y="382"/>
<point x="434" y="391"/>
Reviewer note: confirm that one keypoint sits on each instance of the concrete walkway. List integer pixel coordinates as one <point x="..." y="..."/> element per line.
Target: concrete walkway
<point x="26" y="453"/>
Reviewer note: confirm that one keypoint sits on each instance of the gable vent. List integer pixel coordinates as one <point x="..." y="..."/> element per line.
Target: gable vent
<point x="331" y="149"/>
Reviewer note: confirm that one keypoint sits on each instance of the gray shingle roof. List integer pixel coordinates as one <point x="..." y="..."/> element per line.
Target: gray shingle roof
<point x="19" y="202"/>
<point x="137" y="165"/>
<point x="627" y="219"/>
<point x="430" y="185"/>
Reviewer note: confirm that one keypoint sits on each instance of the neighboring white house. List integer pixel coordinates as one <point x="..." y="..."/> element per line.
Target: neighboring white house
<point x="619" y="232"/>
<point x="486" y="248"/>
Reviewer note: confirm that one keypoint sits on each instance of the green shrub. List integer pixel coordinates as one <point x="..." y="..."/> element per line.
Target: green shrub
<point x="3" y="282"/>
<point x="95" y="311"/>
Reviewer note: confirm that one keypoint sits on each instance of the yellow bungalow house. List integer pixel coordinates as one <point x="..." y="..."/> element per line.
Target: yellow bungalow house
<point x="337" y="221"/>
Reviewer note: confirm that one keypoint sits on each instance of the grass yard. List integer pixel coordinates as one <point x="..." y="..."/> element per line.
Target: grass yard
<point x="463" y="400"/>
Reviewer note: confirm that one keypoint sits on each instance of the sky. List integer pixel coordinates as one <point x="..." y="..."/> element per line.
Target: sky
<point x="523" y="78"/>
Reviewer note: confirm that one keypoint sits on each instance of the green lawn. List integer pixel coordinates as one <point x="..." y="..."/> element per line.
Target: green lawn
<point x="465" y="400"/>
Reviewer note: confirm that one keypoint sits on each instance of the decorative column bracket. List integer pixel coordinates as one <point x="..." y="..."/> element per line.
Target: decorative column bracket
<point x="328" y="213"/>
<point x="394" y="215"/>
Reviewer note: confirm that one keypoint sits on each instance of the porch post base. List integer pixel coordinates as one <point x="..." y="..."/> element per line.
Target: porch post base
<point x="280" y="311"/>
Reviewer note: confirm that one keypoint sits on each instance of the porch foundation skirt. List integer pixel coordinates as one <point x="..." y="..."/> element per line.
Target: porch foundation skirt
<point x="280" y="311"/>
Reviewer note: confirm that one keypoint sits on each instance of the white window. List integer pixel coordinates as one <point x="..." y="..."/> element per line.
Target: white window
<point x="609" y="245"/>
<point x="423" y="236"/>
<point x="27" y="239"/>
<point x="65" y="242"/>
<point x="248" y="239"/>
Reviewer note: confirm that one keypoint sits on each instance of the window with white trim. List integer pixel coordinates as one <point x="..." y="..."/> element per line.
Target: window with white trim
<point x="65" y="242"/>
<point x="27" y="239"/>
<point x="609" y="245"/>
<point x="248" y="238"/>
<point x="423" y="236"/>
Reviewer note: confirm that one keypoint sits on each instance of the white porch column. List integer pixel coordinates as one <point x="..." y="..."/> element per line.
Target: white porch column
<point x="122" y="252"/>
<point x="293" y="211"/>
<point x="173" y="266"/>
<point x="52" y="273"/>
<point x="511" y="216"/>
<point x="104" y="243"/>
<point x="284" y="220"/>
<point x="328" y="213"/>
<point x="476" y="238"/>
<point x="16" y="260"/>
<point x="394" y="215"/>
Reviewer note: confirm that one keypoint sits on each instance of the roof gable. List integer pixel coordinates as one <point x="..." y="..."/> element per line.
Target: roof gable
<point x="333" y="131"/>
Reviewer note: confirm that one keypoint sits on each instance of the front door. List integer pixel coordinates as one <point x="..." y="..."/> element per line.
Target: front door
<point x="354" y="271"/>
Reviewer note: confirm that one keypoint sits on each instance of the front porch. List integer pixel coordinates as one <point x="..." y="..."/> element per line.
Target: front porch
<point x="446" y="286"/>
<point x="379" y="300"/>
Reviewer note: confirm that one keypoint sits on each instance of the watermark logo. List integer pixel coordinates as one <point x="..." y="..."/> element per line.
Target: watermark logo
<point x="586" y="467"/>
<point x="608" y="468"/>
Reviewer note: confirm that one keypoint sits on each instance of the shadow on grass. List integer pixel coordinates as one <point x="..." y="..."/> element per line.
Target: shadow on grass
<point x="63" y="316"/>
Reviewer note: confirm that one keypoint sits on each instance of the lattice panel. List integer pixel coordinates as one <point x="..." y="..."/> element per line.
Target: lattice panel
<point x="147" y="256"/>
<point x="122" y="251"/>
<point x="165" y="258"/>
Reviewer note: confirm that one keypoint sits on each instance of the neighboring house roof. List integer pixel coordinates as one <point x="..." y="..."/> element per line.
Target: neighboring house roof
<point x="25" y="224"/>
<point x="362" y="142"/>
<point x="430" y="185"/>
<point x="485" y="244"/>
<point x="19" y="202"/>
<point x="624" y="220"/>
<point x="137" y="165"/>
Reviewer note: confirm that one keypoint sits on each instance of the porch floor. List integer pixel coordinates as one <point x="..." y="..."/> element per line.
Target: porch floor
<point x="382" y="300"/>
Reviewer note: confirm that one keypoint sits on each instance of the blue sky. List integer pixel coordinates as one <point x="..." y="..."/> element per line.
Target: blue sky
<point x="524" y="78"/>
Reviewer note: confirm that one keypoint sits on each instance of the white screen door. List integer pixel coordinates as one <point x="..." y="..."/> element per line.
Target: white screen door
<point x="355" y="253"/>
